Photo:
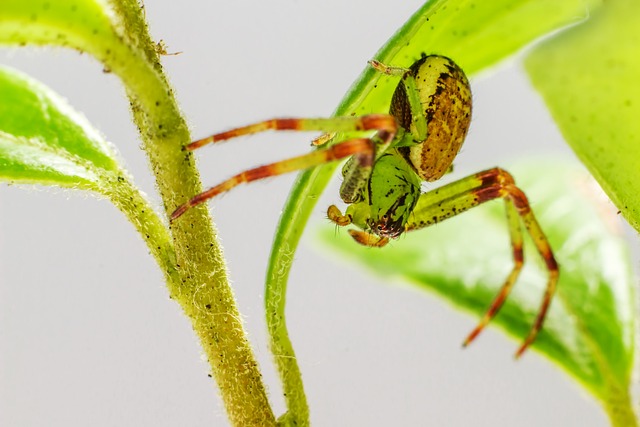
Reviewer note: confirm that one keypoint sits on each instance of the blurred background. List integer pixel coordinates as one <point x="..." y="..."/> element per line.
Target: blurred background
<point x="88" y="335"/>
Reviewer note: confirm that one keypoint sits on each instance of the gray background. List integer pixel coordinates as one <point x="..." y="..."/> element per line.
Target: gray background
<point x="88" y="335"/>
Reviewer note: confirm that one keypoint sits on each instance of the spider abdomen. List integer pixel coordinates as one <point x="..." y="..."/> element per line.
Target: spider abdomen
<point x="445" y="96"/>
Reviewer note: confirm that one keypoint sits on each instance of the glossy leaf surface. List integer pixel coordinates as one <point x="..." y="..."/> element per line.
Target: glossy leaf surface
<point x="43" y="140"/>
<point x="588" y="77"/>
<point x="589" y="331"/>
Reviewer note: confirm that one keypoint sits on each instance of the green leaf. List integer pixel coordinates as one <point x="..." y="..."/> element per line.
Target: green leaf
<point x="78" y="24"/>
<point x="475" y="34"/>
<point x="112" y="31"/>
<point x="588" y="77"/>
<point x="43" y="140"/>
<point x="589" y="331"/>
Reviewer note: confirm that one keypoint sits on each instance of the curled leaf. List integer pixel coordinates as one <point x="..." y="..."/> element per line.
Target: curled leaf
<point x="476" y="35"/>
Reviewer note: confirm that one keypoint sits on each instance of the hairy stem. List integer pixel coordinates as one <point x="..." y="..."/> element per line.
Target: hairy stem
<point x="116" y="34"/>
<point x="203" y="290"/>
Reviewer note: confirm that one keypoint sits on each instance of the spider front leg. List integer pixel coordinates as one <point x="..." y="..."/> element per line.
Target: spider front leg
<point x="363" y="149"/>
<point x="333" y="125"/>
<point x="459" y="196"/>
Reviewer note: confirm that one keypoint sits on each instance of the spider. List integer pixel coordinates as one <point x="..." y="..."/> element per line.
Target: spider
<point x="417" y="141"/>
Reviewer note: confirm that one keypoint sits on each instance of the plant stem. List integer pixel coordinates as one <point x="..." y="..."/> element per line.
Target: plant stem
<point x="116" y="34"/>
<point x="203" y="290"/>
<point x="278" y="270"/>
<point x="133" y="203"/>
<point x="619" y="408"/>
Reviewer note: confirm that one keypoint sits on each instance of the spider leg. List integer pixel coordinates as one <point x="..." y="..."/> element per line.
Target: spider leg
<point x="388" y="69"/>
<point x="515" y="233"/>
<point x="362" y="148"/>
<point x="380" y="122"/>
<point x="362" y="237"/>
<point x="337" y="217"/>
<point x="459" y="196"/>
<point x="411" y="92"/>
<point x="368" y="239"/>
<point x="325" y="138"/>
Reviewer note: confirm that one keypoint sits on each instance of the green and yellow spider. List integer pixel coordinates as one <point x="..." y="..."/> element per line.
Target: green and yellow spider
<point x="428" y="119"/>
